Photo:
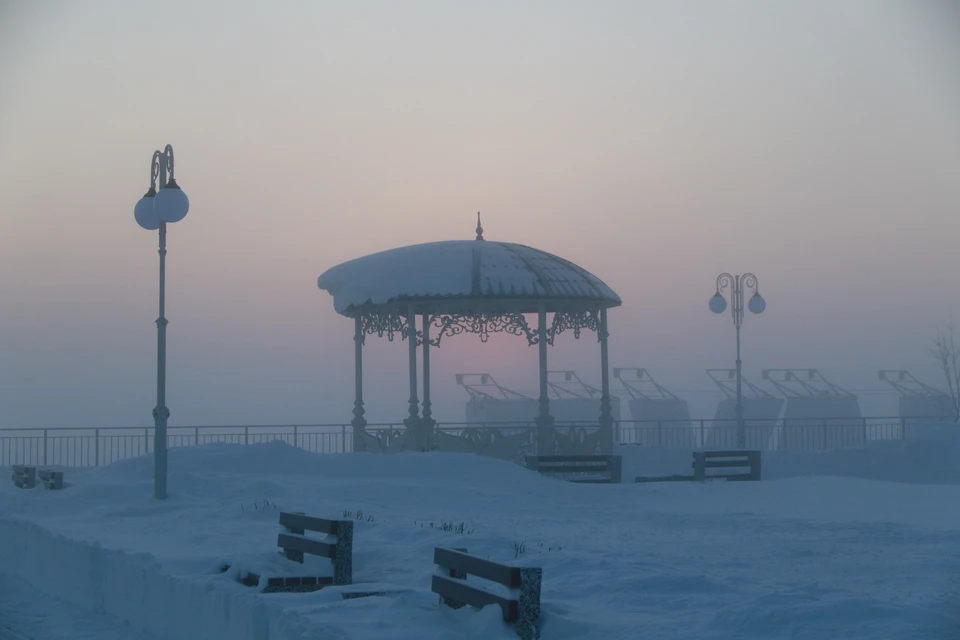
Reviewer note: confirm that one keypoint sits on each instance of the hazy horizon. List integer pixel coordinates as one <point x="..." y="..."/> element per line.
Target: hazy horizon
<point x="814" y="144"/>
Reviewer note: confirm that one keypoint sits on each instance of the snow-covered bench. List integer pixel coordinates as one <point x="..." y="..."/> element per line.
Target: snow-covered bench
<point x="51" y="479"/>
<point x="24" y="477"/>
<point x="748" y="460"/>
<point x="594" y="469"/>
<point x="521" y="607"/>
<point x="337" y="546"/>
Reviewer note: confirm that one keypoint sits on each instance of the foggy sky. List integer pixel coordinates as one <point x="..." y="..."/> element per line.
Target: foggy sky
<point x="816" y="144"/>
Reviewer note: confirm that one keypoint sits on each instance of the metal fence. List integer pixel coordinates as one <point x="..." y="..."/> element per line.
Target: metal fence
<point x="82" y="447"/>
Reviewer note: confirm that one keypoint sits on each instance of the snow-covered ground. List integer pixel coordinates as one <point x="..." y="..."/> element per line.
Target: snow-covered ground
<point x="858" y="544"/>
<point x="26" y="613"/>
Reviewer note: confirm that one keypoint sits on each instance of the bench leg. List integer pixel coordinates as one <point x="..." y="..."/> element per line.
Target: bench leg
<point x="755" y="465"/>
<point x="699" y="466"/>
<point x="528" y="620"/>
<point x="343" y="556"/>
<point x="615" y="465"/>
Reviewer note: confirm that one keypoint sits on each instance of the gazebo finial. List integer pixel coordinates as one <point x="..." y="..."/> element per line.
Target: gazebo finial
<point x="479" y="228"/>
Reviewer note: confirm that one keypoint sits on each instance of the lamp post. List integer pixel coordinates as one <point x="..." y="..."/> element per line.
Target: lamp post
<point x="718" y="304"/>
<point x="162" y="203"/>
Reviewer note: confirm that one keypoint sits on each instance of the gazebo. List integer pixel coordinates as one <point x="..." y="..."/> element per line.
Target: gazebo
<point x="481" y="287"/>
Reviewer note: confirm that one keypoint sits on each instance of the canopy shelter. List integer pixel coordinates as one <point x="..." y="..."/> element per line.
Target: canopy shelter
<point x="468" y="286"/>
<point x="818" y="414"/>
<point x="761" y="411"/>
<point x="918" y="402"/>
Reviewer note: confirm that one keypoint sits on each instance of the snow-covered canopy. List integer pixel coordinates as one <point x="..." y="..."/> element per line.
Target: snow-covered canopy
<point x="462" y="275"/>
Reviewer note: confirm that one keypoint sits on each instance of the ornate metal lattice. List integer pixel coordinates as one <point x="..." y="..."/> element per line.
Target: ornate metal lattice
<point x="383" y="324"/>
<point x="482" y="324"/>
<point x="576" y="322"/>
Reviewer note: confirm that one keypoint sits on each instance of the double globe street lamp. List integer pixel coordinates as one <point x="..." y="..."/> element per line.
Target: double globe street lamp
<point x="718" y="304"/>
<point x="164" y="202"/>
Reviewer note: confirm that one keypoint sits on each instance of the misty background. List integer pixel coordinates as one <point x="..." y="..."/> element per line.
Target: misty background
<point x="816" y="144"/>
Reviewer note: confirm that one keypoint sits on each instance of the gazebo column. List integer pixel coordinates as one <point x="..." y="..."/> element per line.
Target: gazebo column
<point x="428" y="421"/>
<point x="412" y="421"/>
<point x="359" y="422"/>
<point x="546" y="442"/>
<point x="606" y="414"/>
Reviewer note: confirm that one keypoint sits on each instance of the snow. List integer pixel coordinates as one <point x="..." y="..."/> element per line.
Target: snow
<point x="28" y="614"/>
<point x="459" y="268"/>
<point x="845" y="544"/>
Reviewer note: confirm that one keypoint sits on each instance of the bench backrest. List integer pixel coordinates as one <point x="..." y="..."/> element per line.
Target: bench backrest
<point x="703" y="460"/>
<point x="340" y="550"/>
<point x="24" y="477"/>
<point x="522" y="607"/>
<point x="608" y="466"/>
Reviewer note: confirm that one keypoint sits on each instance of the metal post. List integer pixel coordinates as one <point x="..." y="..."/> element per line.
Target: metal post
<point x="246" y="435"/>
<point x="44" y="446"/>
<point x="544" y="421"/>
<point x="358" y="423"/>
<point x="427" y="423"/>
<point x="717" y="305"/>
<point x="741" y="427"/>
<point x="606" y="416"/>
<point x="413" y="419"/>
<point x="427" y="411"/>
<point x="96" y="447"/>
<point x="161" y="413"/>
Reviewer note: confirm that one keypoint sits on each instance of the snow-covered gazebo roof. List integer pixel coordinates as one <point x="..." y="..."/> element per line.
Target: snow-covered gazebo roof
<point x="462" y="276"/>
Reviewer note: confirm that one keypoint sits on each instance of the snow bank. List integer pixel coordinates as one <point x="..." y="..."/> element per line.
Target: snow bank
<point x="135" y="589"/>
<point x="685" y="561"/>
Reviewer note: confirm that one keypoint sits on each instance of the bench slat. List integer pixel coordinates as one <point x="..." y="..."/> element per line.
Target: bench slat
<point x="474" y="596"/>
<point x="306" y="545"/>
<point x="486" y="569"/>
<point x="579" y="469"/>
<point x="307" y="523"/>
<point x="675" y="478"/>
<point x="551" y="459"/>
<point x="719" y="464"/>
<point x="726" y="454"/>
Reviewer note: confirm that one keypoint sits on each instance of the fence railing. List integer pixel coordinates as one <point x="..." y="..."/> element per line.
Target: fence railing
<point x="82" y="447"/>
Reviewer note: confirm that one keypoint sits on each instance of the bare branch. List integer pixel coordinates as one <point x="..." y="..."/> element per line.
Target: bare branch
<point x="946" y="352"/>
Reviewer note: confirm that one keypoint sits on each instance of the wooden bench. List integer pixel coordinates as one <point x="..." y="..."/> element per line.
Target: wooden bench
<point x="295" y="543"/>
<point x="749" y="460"/>
<point x="592" y="469"/>
<point x="522" y="607"/>
<point x="24" y="477"/>
<point x="52" y="480"/>
<point x="703" y="460"/>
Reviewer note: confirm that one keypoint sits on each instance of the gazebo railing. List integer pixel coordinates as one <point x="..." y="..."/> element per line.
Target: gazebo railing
<point x="78" y="447"/>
